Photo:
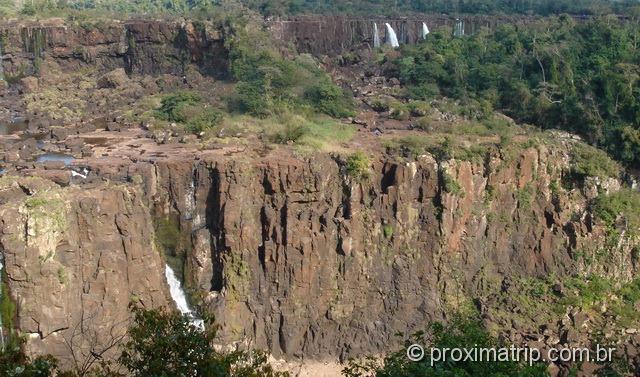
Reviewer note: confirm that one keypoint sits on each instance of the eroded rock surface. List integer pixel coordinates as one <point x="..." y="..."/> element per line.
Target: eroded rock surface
<point x="74" y="260"/>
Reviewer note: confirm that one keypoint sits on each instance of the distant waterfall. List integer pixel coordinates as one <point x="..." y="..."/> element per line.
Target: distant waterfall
<point x="376" y="36"/>
<point x="392" y="39"/>
<point x="458" y="29"/>
<point x="1" y="68"/>
<point x="425" y="31"/>
<point x="179" y="297"/>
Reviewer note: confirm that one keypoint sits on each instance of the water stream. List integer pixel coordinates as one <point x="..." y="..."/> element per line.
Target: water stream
<point x="52" y="156"/>
<point x="425" y="31"/>
<point x="458" y="29"/>
<point x="1" y="68"/>
<point x="376" y="36"/>
<point x="392" y="38"/>
<point x="180" y="298"/>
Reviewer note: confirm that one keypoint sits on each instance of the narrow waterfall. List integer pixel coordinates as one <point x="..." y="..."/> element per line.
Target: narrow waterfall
<point x="425" y="31"/>
<point x="458" y="29"/>
<point x="392" y="39"/>
<point x="180" y="298"/>
<point x="1" y="68"/>
<point x="376" y="36"/>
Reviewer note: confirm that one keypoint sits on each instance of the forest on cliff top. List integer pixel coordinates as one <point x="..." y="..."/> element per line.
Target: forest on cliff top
<point x="368" y="7"/>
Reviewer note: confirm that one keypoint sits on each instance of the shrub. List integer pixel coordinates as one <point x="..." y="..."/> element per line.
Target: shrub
<point x="387" y="231"/>
<point x="28" y="9"/>
<point x="419" y="108"/>
<point x="408" y="146"/>
<point x="398" y="111"/>
<point x="173" y="105"/>
<point x="270" y="84"/>
<point x="290" y="132"/>
<point x="450" y="185"/>
<point x="204" y="120"/>
<point x="187" y="109"/>
<point x="626" y="203"/>
<point x="525" y="196"/>
<point x="379" y="105"/>
<point x="461" y="332"/>
<point x="167" y="344"/>
<point x="588" y="161"/>
<point x="329" y="99"/>
<point x="14" y="362"/>
<point x="358" y="166"/>
<point x="253" y="99"/>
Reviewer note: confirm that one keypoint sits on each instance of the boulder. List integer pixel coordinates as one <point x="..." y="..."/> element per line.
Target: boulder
<point x="114" y="79"/>
<point x="29" y="84"/>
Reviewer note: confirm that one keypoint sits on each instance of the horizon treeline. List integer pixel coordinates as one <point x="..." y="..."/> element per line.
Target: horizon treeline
<point x="293" y="7"/>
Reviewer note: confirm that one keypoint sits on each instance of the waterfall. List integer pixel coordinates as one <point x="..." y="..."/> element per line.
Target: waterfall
<point x="1" y="68"/>
<point x="458" y="29"/>
<point x="425" y="30"/>
<point x="179" y="297"/>
<point x="376" y="36"/>
<point x="392" y="39"/>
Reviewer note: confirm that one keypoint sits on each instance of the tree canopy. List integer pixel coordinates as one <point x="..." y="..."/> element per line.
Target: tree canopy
<point x="582" y="77"/>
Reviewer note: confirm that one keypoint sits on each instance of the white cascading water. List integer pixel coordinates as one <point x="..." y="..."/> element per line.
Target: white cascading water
<point x="458" y="29"/>
<point x="1" y="68"/>
<point x="425" y="31"/>
<point x="376" y="36"/>
<point x="392" y="39"/>
<point x="180" y="298"/>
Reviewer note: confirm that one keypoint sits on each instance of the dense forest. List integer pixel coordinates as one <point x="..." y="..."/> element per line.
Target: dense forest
<point x="578" y="76"/>
<point x="289" y="7"/>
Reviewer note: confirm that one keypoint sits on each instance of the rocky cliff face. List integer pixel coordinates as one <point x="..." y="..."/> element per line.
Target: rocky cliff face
<point x="74" y="260"/>
<point x="291" y="254"/>
<point x="333" y="35"/>
<point x="295" y="257"/>
<point x="142" y="47"/>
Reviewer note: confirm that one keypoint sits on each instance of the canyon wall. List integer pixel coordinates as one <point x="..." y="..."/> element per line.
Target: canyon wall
<point x="295" y="257"/>
<point x="74" y="260"/>
<point x="141" y="47"/>
<point x="333" y="35"/>
<point x="291" y="254"/>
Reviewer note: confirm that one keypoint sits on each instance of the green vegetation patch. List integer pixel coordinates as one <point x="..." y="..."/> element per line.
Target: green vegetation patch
<point x="442" y="149"/>
<point x="450" y="185"/>
<point x="462" y="331"/>
<point x="359" y="166"/>
<point x="588" y="161"/>
<point x="190" y="110"/>
<point x="623" y="204"/>
<point x="577" y="76"/>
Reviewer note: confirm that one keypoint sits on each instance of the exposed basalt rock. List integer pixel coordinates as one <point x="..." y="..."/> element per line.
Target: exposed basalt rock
<point x="142" y="47"/>
<point x="294" y="257"/>
<point x="75" y="258"/>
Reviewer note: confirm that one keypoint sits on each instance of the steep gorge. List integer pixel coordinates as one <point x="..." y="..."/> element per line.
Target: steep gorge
<point x="289" y="252"/>
<point x="292" y="255"/>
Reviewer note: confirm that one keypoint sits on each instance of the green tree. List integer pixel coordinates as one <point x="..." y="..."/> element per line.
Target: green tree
<point x="14" y="362"/>
<point x="166" y="344"/>
<point x="460" y="332"/>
